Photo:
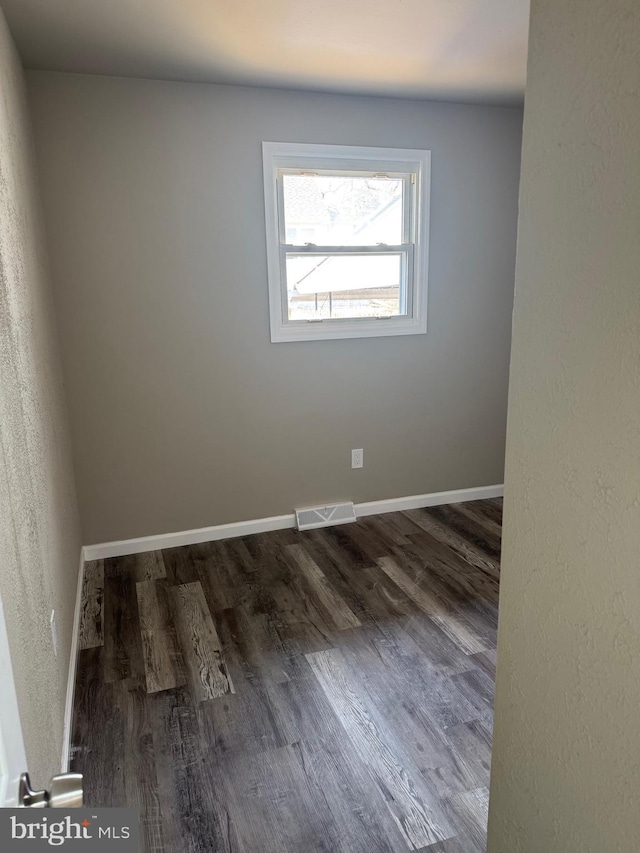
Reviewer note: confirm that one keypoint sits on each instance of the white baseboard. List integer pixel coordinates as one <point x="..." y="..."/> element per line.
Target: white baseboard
<point x="124" y="547"/>
<point x="71" y="679"/>
<point x="187" y="537"/>
<point x="457" y="496"/>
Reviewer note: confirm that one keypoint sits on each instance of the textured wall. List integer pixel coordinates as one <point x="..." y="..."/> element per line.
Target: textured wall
<point x="566" y="766"/>
<point x="39" y="528"/>
<point x="183" y="414"/>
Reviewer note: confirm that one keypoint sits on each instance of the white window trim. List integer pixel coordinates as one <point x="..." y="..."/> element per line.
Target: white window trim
<point x="283" y="155"/>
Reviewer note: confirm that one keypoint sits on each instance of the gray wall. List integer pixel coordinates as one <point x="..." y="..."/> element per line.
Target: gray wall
<point x="566" y="772"/>
<point x="183" y="413"/>
<point x="39" y="523"/>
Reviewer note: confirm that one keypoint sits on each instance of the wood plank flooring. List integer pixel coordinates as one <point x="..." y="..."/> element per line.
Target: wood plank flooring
<point x="297" y="692"/>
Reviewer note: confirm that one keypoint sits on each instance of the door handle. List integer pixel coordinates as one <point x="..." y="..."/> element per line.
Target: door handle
<point x="65" y="792"/>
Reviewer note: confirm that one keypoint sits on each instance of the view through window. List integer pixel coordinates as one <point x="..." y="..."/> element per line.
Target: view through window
<point x="345" y="210"/>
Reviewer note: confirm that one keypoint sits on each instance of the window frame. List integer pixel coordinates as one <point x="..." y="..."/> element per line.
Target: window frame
<point x="279" y="157"/>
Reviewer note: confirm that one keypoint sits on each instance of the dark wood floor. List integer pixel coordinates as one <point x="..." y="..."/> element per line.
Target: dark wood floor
<point x="321" y="691"/>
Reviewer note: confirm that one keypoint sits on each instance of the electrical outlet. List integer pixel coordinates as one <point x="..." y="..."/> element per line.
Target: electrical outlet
<point x="54" y="632"/>
<point x="357" y="458"/>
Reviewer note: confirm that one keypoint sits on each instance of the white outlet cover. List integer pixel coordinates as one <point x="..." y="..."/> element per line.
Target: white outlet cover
<point x="357" y="458"/>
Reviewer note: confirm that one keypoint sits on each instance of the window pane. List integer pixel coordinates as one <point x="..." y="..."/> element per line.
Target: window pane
<point x="332" y="210"/>
<point x="343" y="286"/>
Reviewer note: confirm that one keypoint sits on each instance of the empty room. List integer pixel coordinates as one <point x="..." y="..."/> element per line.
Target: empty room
<point x="319" y="338"/>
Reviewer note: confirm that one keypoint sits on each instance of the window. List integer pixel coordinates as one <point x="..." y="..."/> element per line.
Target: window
<point x="347" y="240"/>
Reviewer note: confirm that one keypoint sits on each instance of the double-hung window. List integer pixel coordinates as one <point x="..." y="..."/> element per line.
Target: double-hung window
<point x="347" y="240"/>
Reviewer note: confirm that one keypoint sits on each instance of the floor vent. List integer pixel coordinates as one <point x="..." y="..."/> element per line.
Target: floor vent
<point x="311" y="517"/>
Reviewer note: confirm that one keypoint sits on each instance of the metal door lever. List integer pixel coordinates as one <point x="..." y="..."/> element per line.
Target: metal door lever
<point x="65" y="792"/>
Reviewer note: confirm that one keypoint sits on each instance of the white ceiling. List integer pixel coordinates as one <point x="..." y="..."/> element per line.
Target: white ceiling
<point x="464" y="50"/>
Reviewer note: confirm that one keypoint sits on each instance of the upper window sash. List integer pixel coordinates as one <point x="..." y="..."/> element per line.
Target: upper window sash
<point x="408" y="195"/>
